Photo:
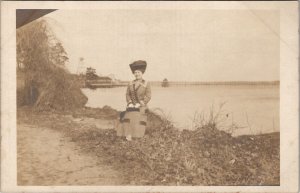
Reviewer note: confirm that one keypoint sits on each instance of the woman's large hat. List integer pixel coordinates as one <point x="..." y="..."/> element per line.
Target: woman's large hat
<point x="138" y="65"/>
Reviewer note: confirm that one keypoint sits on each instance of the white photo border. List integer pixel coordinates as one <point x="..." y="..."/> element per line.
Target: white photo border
<point x="289" y="91"/>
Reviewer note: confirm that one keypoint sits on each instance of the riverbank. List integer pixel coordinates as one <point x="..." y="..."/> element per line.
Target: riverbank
<point x="165" y="156"/>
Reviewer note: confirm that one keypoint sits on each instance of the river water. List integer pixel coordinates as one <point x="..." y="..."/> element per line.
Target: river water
<point x="245" y="109"/>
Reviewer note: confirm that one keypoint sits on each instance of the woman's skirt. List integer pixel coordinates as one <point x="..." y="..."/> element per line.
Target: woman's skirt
<point x="133" y="123"/>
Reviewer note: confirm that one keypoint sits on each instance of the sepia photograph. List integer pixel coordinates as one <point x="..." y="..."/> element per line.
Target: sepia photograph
<point x="164" y="96"/>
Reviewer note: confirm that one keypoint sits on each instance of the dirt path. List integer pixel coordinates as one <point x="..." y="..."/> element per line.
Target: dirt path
<point x="47" y="157"/>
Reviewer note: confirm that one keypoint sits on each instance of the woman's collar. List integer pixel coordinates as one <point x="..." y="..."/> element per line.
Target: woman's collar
<point x="141" y="82"/>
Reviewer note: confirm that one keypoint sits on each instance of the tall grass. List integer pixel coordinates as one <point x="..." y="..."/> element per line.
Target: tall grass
<point x="216" y="117"/>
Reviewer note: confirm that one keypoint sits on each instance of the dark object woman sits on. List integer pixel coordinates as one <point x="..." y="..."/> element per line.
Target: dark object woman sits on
<point x="134" y="120"/>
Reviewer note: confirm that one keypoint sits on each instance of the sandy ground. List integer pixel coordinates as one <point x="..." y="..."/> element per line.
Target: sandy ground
<point x="47" y="157"/>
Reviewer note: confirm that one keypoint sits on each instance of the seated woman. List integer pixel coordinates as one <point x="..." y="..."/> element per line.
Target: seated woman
<point x="134" y="120"/>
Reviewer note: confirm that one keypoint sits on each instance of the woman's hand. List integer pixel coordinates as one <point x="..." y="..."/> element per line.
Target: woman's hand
<point x="137" y="105"/>
<point x="130" y="105"/>
<point x="142" y="103"/>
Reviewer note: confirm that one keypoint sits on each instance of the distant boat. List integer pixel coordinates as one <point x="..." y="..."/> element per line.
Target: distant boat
<point x="165" y="83"/>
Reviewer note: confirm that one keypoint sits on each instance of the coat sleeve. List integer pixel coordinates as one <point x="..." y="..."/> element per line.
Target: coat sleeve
<point x="147" y="93"/>
<point x="128" y="98"/>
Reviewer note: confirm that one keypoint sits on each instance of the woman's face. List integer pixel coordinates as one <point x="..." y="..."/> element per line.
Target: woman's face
<point x="138" y="74"/>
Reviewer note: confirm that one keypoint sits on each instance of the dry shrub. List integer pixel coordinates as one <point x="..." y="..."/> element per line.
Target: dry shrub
<point x="42" y="58"/>
<point x="216" y="117"/>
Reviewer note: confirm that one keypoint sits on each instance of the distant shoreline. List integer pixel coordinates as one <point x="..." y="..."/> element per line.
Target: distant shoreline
<point x="117" y="82"/>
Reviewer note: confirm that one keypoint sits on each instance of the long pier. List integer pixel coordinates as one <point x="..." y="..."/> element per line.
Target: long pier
<point x="183" y="83"/>
<point x="215" y="83"/>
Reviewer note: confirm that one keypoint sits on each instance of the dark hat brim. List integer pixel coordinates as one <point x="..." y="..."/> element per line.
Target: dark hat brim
<point x="138" y="65"/>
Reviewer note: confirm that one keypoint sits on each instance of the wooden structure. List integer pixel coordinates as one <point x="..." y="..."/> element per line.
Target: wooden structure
<point x="165" y="83"/>
<point x="92" y="80"/>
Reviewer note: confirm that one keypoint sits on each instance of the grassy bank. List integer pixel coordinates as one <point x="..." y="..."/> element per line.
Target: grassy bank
<point x="166" y="156"/>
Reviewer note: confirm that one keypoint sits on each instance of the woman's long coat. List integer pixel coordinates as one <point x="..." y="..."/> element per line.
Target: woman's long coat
<point x="134" y="122"/>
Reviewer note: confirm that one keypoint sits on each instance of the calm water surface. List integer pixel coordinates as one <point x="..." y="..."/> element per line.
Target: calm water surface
<point x="254" y="110"/>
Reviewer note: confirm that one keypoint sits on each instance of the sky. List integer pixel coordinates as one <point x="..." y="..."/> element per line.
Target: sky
<point x="180" y="45"/>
